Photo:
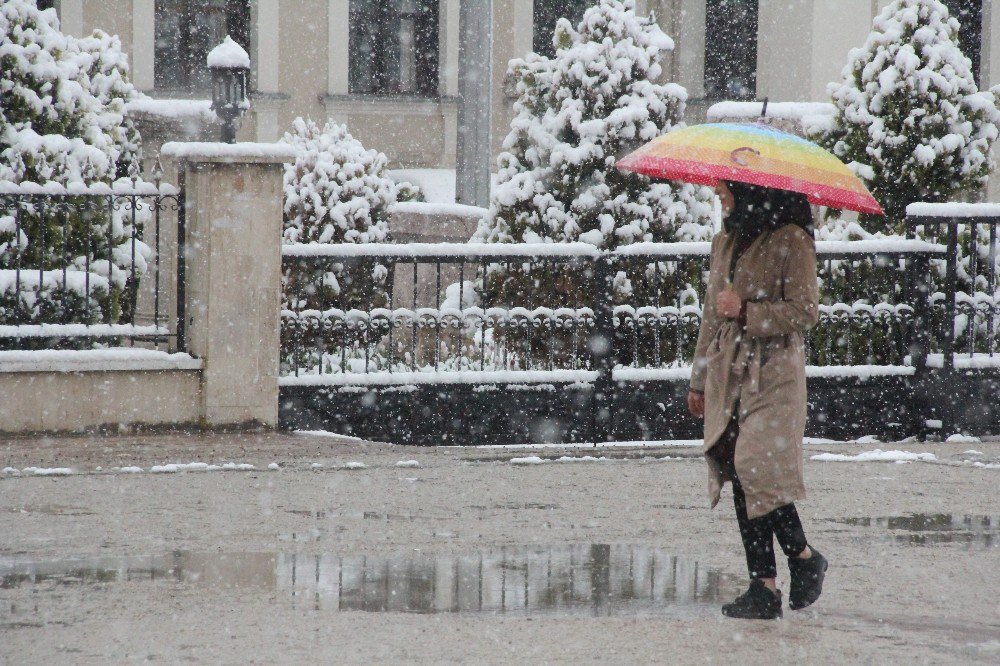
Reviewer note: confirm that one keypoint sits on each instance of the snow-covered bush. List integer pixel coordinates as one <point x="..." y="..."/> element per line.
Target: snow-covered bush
<point x="910" y="119"/>
<point x="576" y="114"/>
<point x="62" y="101"/>
<point x="63" y="120"/>
<point x="336" y="191"/>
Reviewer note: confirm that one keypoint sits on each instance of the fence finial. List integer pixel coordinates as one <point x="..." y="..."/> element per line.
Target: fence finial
<point x="157" y="171"/>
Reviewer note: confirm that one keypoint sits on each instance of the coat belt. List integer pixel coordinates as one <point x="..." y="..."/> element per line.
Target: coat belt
<point x="747" y="360"/>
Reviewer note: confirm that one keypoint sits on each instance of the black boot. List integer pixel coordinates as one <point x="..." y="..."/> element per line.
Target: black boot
<point x="757" y="603"/>
<point x="807" y="579"/>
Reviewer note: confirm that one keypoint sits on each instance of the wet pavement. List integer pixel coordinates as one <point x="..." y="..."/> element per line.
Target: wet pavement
<point x="465" y="557"/>
<point x="588" y="580"/>
<point x="933" y="528"/>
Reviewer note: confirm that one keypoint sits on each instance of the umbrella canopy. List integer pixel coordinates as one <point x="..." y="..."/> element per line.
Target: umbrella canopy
<point x="755" y="154"/>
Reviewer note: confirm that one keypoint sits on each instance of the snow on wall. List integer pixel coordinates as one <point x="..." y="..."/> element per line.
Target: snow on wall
<point x="776" y="110"/>
<point x="62" y="360"/>
<point x="173" y="109"/>
<point x="444" y="209"/>
<point x="122" y="186"/>
<point x="277" y="152"/>
<point x="954" y="209"/>
<point x="523" y="250"/>
<point x="579" y="249"/>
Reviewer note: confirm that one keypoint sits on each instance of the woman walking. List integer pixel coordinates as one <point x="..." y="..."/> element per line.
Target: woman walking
<point x="749" y="385"/>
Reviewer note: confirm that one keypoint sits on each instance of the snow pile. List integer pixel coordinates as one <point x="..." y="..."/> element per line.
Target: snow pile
<point x="964" y="439"/>
<point x="535" y="460"/>
<point x="47" y="471"/>
<point x="228" y="54"/>
<point x="878" y="455"/>
<point x="910" y="120"/>
<point x="354" y="465"/>
<point x="576" y="113"/>
<point x="408" y="463"/>
<point x="62" y="101"/>
<point x="173" y="468"/>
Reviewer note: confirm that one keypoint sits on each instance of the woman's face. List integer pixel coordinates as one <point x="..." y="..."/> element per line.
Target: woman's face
<point x="726" y="197"/>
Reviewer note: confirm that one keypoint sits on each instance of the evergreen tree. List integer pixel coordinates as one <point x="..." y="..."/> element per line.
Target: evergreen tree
<point x="62" y="101"/>
<point x="910" y="119"/>
<point x="576" y="113"/>
<point x="63" y="120"/>
<point x="336" y="191"/>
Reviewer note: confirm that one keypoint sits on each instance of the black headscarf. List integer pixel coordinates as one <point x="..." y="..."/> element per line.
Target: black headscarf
<point x="758" y="209"/>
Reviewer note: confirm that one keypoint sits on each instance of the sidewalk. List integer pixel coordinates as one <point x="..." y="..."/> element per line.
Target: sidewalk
<point x="275" y="565"/>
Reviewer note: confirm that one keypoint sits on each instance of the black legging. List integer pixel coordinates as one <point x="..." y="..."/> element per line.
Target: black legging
<point x="758" y="533"/>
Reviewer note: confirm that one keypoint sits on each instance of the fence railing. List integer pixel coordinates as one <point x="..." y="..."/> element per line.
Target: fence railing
<point x="965" y="285"/>
<point x="83" y="266"/>
<point x="369" y="310"/>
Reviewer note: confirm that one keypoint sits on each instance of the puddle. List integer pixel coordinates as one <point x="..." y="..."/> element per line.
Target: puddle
<point x="597" y="579"/>
<point x="934" y="528"/>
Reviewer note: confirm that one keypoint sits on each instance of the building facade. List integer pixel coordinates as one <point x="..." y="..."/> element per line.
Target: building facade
<point x="390" y="68"/>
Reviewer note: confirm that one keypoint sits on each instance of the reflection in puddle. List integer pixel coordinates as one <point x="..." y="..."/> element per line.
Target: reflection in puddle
<point x="932" y="528"/>
<point x="581" y="579"/>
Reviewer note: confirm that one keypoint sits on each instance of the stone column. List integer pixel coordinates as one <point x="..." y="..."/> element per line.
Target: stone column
<point x="233" y="210"/>
<point x="475" y="42"/>
<point x="143" y="41"/>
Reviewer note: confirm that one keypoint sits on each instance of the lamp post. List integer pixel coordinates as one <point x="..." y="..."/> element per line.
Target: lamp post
<point x="230" y="66"/>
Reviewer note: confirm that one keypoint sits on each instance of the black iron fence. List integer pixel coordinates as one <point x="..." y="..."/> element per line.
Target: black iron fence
<point x="965" y="288"/>
<point x="544" y="320"/>
<point x="82" y="267"/>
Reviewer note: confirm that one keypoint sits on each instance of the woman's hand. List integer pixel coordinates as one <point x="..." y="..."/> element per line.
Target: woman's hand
<point x="728" y="304"/>
<point x="696" y="404"/>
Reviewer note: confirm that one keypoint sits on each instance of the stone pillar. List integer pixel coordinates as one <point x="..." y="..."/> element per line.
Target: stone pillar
<point x="475" y="43"/>
<point x="143" y="41"/>
<point x="233" y="275"/>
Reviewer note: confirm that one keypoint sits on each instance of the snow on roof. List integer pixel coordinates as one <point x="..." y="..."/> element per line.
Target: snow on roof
<point x="229" y="152"/>
<point x="228" y="54"/>
<point x="954" y="209"/>
<point x="775" y="110"/>
<point x="174" y="109"/>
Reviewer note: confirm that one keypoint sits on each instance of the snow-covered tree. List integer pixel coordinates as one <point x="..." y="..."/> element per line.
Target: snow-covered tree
<point x="336" y="191"/>
<point x="910" y="120"/>
<point x="62" y="101"/>
<point x="576" y="113"/>
<point x="62" y="119"/>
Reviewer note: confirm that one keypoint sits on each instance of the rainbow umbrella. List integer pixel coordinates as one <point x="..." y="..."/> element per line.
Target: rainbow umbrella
<point x="755" y="154"/>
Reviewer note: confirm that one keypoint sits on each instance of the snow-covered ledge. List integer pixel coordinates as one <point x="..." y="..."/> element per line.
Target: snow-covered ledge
<point x="95" y="360"/>
<point x="228" y="153"/>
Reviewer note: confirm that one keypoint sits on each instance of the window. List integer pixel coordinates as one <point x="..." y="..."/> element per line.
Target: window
<point x="547" y="12"/>
<point x="186" y="30"/>
<point x="394" y="47"/>
<point x="731" y="49"/>
<point x="970" y="36"/>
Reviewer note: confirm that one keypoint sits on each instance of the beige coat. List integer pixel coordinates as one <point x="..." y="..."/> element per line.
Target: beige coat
<point x="762" y="369"/>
